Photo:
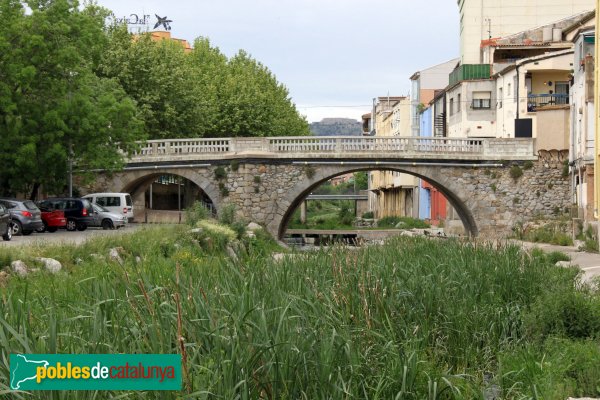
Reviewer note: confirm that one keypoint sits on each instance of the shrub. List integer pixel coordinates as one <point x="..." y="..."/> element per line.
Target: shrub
<point x="220" y="173"/>
<point x="227" y="215"/>
<point x="234" y="165"/>
<point x="574" y="314"/>
<point x="527" y="165"/>
<point x="257" y="179"/>
<point x="516" y="172"/>
<point x="216" y="234"/>
<point x="368" y="215"/>
<point x="196" y="212"/>
<point x="223" y="189"/>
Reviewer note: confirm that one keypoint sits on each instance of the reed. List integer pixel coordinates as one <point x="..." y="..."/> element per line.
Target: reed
<point x="413" y="319"/>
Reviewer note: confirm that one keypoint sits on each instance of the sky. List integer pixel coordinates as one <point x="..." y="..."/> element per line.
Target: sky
<point x="334" y="56"/>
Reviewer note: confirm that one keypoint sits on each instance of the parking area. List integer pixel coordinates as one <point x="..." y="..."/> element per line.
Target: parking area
<point x="63" y="236"/>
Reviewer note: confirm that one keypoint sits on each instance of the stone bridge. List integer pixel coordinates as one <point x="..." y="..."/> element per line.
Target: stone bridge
<point x="492" y="183"/>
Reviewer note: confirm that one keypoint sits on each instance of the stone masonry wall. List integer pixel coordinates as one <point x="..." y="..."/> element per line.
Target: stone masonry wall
<point x="489" y="200"/>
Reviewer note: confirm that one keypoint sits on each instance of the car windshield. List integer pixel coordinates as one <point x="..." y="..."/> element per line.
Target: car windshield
<point x="99" y="208"/>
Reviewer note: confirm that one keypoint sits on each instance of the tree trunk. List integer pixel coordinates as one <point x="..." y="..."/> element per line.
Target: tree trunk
<point x="34" y="191"/>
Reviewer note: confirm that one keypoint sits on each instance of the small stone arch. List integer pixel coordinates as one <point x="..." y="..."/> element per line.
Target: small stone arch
<point x="454" y="193"/>
<point x="136" y="182"/>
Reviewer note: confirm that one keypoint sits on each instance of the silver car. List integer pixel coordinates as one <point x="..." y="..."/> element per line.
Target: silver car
<point x="106" y="219"/>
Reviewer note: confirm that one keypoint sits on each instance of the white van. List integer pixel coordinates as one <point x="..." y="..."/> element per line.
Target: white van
<point x="115" y="202"/>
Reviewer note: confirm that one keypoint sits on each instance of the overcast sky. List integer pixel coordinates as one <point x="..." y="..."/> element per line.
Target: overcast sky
<point x="334" y="56"/>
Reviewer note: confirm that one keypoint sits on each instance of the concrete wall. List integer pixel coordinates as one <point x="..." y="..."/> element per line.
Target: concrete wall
<point x="552" y="130"/>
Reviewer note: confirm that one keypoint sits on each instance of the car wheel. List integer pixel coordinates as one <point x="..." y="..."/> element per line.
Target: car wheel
<point x="107" y="224"/>
<point x="81" y="227"/>
<point x="71" y="225"/>
<point x="27" y="233"/>
<point x="42" y="229"/>
<point x="8" y="235"/>
<point x="51" y="229"/>
<point x="17" y="228"/>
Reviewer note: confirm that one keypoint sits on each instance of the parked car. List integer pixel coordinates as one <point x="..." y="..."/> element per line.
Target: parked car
<point x="78" y="212"/>
<point x="120" y="203"/>
<point x="52" y="219"/>
<point x="5" y="228"/>
<point x="25" y="216"/>
<point x="107" y="219"/>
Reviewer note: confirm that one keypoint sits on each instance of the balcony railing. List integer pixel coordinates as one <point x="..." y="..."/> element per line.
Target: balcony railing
<point x="467" y="72"/>
<point x="544" y="100"/>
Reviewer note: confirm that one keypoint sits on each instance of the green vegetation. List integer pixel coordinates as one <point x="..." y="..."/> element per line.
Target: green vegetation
<point x="556" y="232"/>
<point x="74" y="89"/>
<point x="368" y="215"/>
<point x="528" y="165"/>
<point x="515" y="172"/>
<point x="325" y="215"/>
<point x="590" y="241"/>
<point x="413" y="319"/>
<point x="402" y="222"/>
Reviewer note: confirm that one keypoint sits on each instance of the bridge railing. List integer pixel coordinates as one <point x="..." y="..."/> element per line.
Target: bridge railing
<point x="183" y="146"/>
<point x="373" y="144"/>
<point x="309" y="146"/>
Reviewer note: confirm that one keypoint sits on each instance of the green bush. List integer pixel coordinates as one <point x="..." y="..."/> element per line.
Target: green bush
<point x="234" y="165"/>
<point x="220" y="173"/>
<point x="515" y="172"/>
<point x="196" y="212"/>
<point x="527" y="165"/>
<point x="223" y="189"/>
<point x="227" y="214"/>
<point x="405" y="223"/>
<point x="368" y="215"/>
<point x="214" y="236"/>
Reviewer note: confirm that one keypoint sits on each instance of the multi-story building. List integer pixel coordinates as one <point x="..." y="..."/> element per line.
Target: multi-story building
<point x="481" y="20"/>
<point x="581" y="155"/>
<point x="392" y="193"/>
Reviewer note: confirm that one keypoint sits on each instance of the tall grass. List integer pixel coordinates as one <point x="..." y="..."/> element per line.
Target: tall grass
<point x="414" y="319"/>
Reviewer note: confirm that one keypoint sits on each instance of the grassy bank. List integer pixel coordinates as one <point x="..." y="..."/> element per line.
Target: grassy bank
<point x="414" y="319"/>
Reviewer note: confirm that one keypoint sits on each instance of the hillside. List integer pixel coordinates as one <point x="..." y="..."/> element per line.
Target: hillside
<point x="336" y="127"/>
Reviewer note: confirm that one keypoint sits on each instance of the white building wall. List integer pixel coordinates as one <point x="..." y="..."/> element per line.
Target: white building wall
<point x="467" y="121"/>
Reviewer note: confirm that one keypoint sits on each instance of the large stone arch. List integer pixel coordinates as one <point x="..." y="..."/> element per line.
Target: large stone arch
<point x="452" y="190"/>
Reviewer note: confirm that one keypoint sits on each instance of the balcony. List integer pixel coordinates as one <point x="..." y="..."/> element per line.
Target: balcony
<point x="542" y="101"/>
<point x="467" y="72"/>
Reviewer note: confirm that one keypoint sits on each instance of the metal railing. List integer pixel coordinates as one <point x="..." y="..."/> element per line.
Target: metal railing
<point x="536" y="101"/>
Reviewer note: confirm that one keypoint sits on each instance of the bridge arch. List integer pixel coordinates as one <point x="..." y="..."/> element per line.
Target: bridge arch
<point x="454" y="193"/>
<point x="137" y="182"/>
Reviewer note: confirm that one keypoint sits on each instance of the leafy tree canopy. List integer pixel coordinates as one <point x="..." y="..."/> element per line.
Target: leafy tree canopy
<point x="53" y="106"/>
<point x="200" y="94"/>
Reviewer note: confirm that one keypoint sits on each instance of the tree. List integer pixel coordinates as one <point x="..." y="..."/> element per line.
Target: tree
<point x="200" y="94"/>
<point x="53" y="107"/>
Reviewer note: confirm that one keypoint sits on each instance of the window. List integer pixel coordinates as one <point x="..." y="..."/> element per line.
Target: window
<point x="109" y="201"/>
<point x="451" y="106"/>
<point x="458" y="103"/>
<point x="481" y="100"/>
<point x="500" y="97"/>
<point x="508" y="90"/>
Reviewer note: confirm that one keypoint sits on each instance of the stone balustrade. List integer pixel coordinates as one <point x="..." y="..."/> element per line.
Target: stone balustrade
<point x="336" y="147"/>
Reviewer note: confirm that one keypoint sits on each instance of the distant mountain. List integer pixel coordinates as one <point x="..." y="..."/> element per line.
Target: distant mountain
<point x="336" y="127"/>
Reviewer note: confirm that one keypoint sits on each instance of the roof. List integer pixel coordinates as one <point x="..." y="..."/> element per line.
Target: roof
<point x="533" y="59"/>
<point x="534" y="36"/>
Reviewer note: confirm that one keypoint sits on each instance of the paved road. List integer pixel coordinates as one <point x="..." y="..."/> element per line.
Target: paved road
<point x="62" y="236"/>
